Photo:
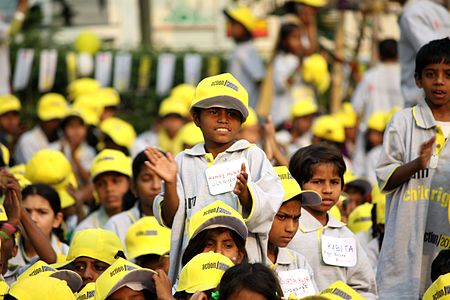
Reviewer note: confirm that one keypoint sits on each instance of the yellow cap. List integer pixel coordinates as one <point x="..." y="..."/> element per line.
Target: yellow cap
<point x="52" y="167"/>
<point x="347" y="115"/>
<point x="379" y="199"/>
<point x="315" y="71"/>
<point x="82" y="86"/>
<point x="221" y="90"/>
<point x="9" y="103"/>
<point x="328" y="128"/>
<point x="203" y="272"/>
<point x="252" y="119"/>
<point x="377" y="121"/>
<point x="217" y="214"/>
<point x="19" y="173"/>
<point x="172" y="105"/>
<point x="110" y="160"/>
<point x="339" y="290"/>
<point x="304" y="107"/>
<point x="119" y="274"/>
<point x="108" y="96"/>
<point x="42" y="288"/>
<point x="51" y="106"/>
<point x="184" y="92"/>
<point x="146" y="236"/>
<point x="292" y="188"/>
<point x="77" y="111"/>
<point x="438" y="289"/>
<point x="96" y="243"/>
<point x="191" y="134"/>
<point x="87" y="42"/>
<point x="5" y="156"/>
<point x="3" y="216"/>
<point x="4" y="288"/>
<point x="90" y="106"/>
<point x="88" y="292"/>
<point x="41" y="268"/>
<point x="360" y="219"/>
<point x="120" y="131"/>
<point x="243" y="15"/>
<point x="314" y="3"/>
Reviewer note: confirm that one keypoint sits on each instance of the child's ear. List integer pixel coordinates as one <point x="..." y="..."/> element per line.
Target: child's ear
<point x="418" y="79"/>
<point x="58" y="219"/>
<point x="133" y="189"/>
<point x="196" y="119"/>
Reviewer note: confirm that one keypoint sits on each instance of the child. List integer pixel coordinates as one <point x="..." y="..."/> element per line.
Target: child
<point x="244" y="62"/>
<point x="145" y="185"/>
<point x="413" y="167"/>
<point x="321" y="168"/>
<point x="10" y="126"/>
<point x="249" y="281"/>
<point x="111" y="172"/>
<point x="219" y="108"/>
<point x="117" y="134"/>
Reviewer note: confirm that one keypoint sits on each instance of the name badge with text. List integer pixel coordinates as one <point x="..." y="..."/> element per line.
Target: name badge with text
<point x="222" y="177"/>
<point x="339" y="251"/>
<point x="297" y="283"/>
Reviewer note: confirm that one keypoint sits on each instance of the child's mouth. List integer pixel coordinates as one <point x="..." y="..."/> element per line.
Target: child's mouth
<point x="439" y="93"/>
<point x="222" y="129"/>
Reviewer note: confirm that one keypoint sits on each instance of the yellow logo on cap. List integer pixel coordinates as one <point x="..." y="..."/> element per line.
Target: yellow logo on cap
<point x="123" y="268"/>
<point x="147" y="232"/>
<point x="218" y="265"/>
<point x="217" y="210"/>
<point x="225" y="83"/>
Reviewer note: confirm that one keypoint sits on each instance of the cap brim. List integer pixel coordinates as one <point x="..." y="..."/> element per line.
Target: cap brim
<point x="73" y="280"/>
<point x="310" y="198"/>
<point x="223" y="102"/>
<point x="362" y="184"/>
<point x="143" y="276"/>
<point x="224" y="221"/>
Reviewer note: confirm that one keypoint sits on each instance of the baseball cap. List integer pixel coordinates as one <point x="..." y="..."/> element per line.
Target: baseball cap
<point x="315" y="71"/>
<point x="242" y="15"/>
<point x="4" y="155"/>
<point x="110" y="160"/>
<point x="146" y="236"/>
<point x="121" y="132"/>
<point x="191" y="134"/>
<point x="3" y="216"/>
<point x="304" y="107"/>
<point x="9" y="103"/>
<point x="82" y="86"/>
<point x="292" y="188"/>
<point x="203" y="272"/>
<point x="377" y="121"/>
<point x="222" y="90"/>
<point x="123" y="273"/>
<point x="314" y="3"/>
<point x="96" y="243"/>
<point x="173" y="105"/>
<point x="184" y="92"/>
<point x="437" y="287"/>
<point x="91" y="107"/>
<point x="252" y="119"/>
<point x="108" y="96"/>
<point x="339" y="290"/>
<point x="51" y="167"/>
<point x="76" y="111"/>
<point x="19" y="173"/>
<point x="328" y="128"/>
<point x="360" y="219"/>
<point x="41" y="268"/>
<point x="42" y="288"/>
<point x="51" y="106"/>
<point x="217" y="214"/>
<point x="88" y="292"/>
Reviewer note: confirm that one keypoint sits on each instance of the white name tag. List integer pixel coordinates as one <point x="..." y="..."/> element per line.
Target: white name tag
<point x="222" y="177"/>
<point x="339" y="251"/>
<point x="434" y="159"/>
<point x="297" y="283"/>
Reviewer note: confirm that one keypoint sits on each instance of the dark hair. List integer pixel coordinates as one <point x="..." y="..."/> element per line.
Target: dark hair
<point x="437" y="51"/>
<point x="285" y="30"/>
<point x="388" y="49"/>
<point x="302" y="162"/>
<point x="253" y="277"/>
<point x="139" y="162"/>
<point x="440" y="265"/>
<point x="66" y="121"/>
<point x="110" y="144"/>
<point x="198" y="243"/>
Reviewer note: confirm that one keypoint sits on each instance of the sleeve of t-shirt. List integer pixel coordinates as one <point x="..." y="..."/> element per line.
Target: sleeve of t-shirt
<point x="359" y="97"/>
<point x="283" y="68"/>
<point x="253" y="64"/>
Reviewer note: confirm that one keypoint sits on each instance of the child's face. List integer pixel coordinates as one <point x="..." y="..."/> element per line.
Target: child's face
<point x="224" y="244"/>
<point x="147" y="186"/>
<point x="219" y="125"/>
<point x="10" y="121"/>
<point x="374" y="137"/>
<point x="111" y="187"/>
<point x="172" y="123"/>
<point x="326" y="181"/>
<point x="303" y="124"/>
<point x="435" y="81"/>
<point x="75" y="131"/>
<point x="235" y="29"/>
<point x="285" y="223"/>
<point x="89" y="268"/>
<point x="251" y="134"/>
<point x="293" y="42"/>
<point x="42" y="214"/>
<point x="125" y="293"/>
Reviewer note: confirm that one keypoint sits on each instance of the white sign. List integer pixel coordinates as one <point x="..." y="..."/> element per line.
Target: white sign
<point x="222" y="177"/>
<point x="165" y="73"/>
<point x="297" y="283"/>
<point x="23" y="68"/>
<point x="5" y="69"/>
<point x="103" y="67"/>
<point x="122" y="71"/>
<point x="192" y="68"/>
<point x="47" y="69"/>
<point x="339" y="251"/>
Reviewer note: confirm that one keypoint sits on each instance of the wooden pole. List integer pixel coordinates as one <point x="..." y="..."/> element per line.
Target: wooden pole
<point x="337" y="76"/>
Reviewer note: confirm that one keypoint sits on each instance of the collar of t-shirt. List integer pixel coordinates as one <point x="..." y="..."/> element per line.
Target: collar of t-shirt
<point x="423" y="116"/>
<point x="309" y="224"/>
<point x="199" y="149"/>
<point x="445" y="126"/>
<point x="285" y="257"/>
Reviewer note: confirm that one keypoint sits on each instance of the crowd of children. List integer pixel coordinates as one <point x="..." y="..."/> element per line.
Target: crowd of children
<point x="243" y="188"/>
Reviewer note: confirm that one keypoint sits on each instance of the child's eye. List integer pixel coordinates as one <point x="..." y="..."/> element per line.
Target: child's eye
<point x="336" y="182"/>
<point x="229" y="245"/>
<point x="281" y="217"/>
<point x="429" y="74"/>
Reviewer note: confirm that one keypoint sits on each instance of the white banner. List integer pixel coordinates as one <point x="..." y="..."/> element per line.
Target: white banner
<point x="47" y="69"/>
<point x="103" y="68"/>
<point x="85" y="64"/>
<point x="23" y="68"/>
<point x="122" y="71"/>
<point x="192" y="68"/>
<point x="5" y="69"/>
<point x="165" y="73"/>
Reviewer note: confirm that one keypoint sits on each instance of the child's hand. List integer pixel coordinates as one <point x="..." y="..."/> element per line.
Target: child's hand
<point x="241" y="189"/>
<point x="163" y="285"/>
<point x="426" y="150"/>
<point x="164" y="166"/>
<point x="13" y="199"/>
<point x="269" y="128"/>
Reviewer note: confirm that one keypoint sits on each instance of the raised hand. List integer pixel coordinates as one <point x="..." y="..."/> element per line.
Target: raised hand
<point x="241" y="189"/>
<point x="164" y="166"/>
<point x="426" y="150"/>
